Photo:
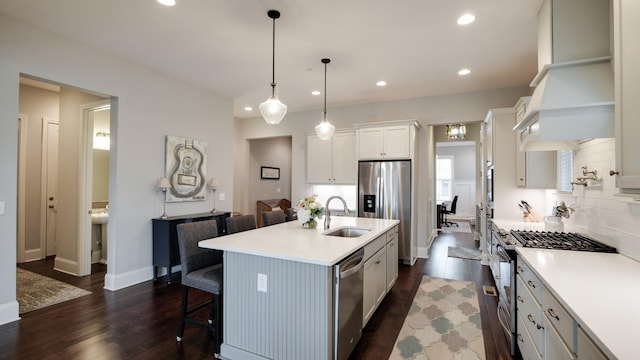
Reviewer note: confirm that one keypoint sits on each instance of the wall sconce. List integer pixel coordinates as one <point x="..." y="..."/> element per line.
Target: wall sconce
<point x="456" y="131"/>
<point x="164" y="185"/>
<point x="101" y="140"/>
<point x="213" y="185"/>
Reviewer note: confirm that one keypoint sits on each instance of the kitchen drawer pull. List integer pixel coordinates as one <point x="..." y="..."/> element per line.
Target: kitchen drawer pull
<point x="520" y="338"/>
<point x="520" y="270"/>
<point x="378" y="262"/>
<point x="530" y="317"/>
<point x="520" y="299"/>
<point x="530" y="283"/>
<point x="552" y="314"/>
<point x="539" y="327"/>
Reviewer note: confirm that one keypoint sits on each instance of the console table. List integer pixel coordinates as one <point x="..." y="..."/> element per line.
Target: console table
<point x="165" y="238"/>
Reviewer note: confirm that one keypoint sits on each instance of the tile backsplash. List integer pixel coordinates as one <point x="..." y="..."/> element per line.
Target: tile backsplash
<point x="599" y="211"/>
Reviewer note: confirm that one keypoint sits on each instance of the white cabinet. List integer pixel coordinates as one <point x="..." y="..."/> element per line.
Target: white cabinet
<point x="571" y="30"/>
<point x="587" y="350"/>
<point x="389" y="142"/>
<point x="627" y="91"/>
<point x="332" y="161"/>
<point x="375" y="272"/>
<point x="392" y="258"/>
<point x="546" y="329"/>
<point x="380" y="271"/>
<point x="534" y="169"/>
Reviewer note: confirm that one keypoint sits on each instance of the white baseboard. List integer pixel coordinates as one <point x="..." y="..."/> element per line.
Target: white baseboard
<point x="9" y="312"/>
<point x="32" y="255"/>
<point x="423" y="252"/>
<point x="120" y="281"/>
<point x="66" y="265"/>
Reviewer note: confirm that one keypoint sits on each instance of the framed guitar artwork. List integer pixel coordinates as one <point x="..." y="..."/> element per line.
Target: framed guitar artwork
<point x="186" y="169"/>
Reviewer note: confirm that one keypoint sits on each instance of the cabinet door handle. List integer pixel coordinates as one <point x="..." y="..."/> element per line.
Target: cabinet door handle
<point x="552" y="314"/>
<point x="520" y="338"/>
<point x="530" y="283"/>
<point x="520" y="270"/>
<point x="377" y="262"/>
<point x="520" y="299"/>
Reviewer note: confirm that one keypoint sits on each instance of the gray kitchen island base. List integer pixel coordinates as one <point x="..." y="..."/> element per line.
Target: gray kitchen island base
<point x="291" y="320"/>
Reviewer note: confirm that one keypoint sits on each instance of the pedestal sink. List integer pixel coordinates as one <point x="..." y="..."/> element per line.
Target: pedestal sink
<point x="101" y="217"/>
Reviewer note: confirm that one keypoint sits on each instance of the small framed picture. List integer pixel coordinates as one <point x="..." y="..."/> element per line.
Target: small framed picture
<point x="269" y="173"/>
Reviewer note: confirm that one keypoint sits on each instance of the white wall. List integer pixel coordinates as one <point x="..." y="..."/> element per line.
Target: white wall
<point x="150" y="106"/>
<point x="599" y="212"/>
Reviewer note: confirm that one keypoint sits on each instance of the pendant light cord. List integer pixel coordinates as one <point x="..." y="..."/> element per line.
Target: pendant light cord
<point x="273" y="57"/>
<point x="325" y="62"/>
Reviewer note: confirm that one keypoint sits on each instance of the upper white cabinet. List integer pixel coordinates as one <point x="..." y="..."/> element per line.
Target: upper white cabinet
<point x="332" y="161"/>
<point x="386" y="142"/>
<point x="627" y="91"/>
<point x="570" y="30"/>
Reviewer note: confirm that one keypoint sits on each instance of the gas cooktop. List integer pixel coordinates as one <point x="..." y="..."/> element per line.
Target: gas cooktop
<point x="560" y="240"/>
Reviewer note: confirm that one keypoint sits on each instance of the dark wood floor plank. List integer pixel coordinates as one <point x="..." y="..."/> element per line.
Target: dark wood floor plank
<point x="140" y="322"/>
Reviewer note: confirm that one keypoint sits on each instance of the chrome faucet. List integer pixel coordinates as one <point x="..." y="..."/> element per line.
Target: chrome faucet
<point x="327" y="219"/>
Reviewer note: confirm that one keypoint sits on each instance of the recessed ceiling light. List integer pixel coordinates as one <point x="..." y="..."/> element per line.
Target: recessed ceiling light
<point x="315" y="92"/>
<point x="248" y="108"/>
<point x="381" y="83"/>
<point x="464" y="72"/>
<point x="167" y="2"/>
<point x="466" y="19"/>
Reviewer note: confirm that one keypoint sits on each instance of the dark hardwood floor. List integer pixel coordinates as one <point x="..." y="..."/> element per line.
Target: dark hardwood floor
<point x="140" y="322"/>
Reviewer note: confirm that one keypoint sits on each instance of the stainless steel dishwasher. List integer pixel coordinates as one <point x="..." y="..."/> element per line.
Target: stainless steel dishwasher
<point x="348" y="281"/>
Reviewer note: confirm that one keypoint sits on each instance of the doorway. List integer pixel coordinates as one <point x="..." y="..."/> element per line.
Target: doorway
<point x="49" y="218"/>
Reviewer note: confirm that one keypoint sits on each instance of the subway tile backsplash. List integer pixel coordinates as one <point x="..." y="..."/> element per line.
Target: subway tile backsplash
<point x="599" y="212"/>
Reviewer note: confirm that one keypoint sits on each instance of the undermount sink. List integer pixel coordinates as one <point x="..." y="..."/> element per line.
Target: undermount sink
<point x="350" y="232"/>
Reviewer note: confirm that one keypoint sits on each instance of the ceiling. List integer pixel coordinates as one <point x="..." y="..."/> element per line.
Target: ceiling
<point x="226" y="46"/>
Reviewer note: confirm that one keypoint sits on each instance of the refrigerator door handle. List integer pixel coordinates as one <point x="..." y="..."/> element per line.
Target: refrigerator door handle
<point x="379" y="205"/>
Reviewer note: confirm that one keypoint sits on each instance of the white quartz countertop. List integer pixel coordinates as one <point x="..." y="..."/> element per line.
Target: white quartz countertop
<point x="600" y="290"/>
<point x="290" y="241"/>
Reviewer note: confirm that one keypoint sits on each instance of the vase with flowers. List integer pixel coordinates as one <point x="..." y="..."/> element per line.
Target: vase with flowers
<point x="308" y="209"/>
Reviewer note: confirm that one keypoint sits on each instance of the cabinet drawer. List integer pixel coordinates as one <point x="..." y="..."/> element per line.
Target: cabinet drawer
<point x="525" y="343"/>
<point x="531" y="313"/>
<point x="530" y="279"/>
<point x="555" y="348"/>
<point x="375" y="245"/>
<point x="587" y="350"/>
<point x="392" y="234"/>
<point x="559" y="318"/>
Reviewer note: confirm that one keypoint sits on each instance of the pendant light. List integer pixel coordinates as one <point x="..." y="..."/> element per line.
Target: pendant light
<point x="273" y="110"/>
<point x="325" y="130"/>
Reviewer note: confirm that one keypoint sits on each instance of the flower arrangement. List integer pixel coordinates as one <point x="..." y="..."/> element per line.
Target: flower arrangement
<point x="308" y="209"/>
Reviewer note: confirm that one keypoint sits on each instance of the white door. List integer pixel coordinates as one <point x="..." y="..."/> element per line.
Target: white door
<point x="50" y="180"/>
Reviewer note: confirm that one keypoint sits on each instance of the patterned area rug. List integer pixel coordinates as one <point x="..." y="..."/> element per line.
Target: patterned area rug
<point x="463" y="226"/>
<point x="443" y="323"/>
<point x="34" y="291"/>
<point x="464" y="253"/>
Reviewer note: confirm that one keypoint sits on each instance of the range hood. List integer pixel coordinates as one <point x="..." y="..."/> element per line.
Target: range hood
<point x="572" y="101"/>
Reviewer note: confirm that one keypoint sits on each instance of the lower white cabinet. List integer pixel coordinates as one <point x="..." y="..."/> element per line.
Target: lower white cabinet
<point x="545" y="329"/>
<point x="380" y="271"/>
<point x="587" y="350"/>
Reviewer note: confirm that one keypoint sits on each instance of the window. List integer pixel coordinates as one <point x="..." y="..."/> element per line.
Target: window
<point x="565" y="170"/>
<point x="444" y="178"/>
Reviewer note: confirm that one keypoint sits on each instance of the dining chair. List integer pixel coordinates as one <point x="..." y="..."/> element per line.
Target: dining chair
<point x="273" y="217"/>
<point x="240" y="223"/>
<point x="201" y="269"/>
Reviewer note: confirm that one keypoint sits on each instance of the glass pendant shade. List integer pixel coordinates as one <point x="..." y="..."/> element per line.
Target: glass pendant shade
<point x="325" y="129"/>
<point x="273" y="110"/>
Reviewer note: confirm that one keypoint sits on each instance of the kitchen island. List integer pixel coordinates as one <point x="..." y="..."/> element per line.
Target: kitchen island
<point x="278" y="287"/>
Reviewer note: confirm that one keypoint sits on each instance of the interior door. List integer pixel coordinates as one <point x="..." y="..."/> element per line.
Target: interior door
<point x="50" y="178"/>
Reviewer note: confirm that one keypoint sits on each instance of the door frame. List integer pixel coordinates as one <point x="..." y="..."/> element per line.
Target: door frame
<point x="22" y="195"/>
<point x="43" y="184"/>
<point x="85" y="180"/>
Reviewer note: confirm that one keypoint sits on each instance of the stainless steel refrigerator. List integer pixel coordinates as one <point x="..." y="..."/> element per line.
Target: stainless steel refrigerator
<point x="384" y="192"/>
